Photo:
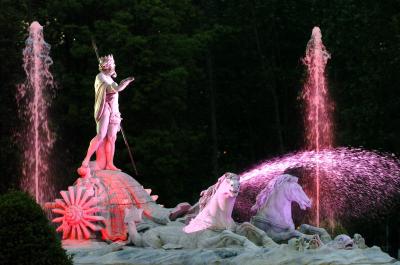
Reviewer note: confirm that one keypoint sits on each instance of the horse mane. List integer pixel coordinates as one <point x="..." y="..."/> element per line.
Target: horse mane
<point x="207" y="194"/>
<point x="264" y="194"/>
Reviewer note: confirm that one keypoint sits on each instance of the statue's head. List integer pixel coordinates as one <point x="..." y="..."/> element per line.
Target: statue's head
<point x="232" y="182"/>
<point x="107" y="65"/>
<point x="227" y="185"/>
<point x="343" y="242"/>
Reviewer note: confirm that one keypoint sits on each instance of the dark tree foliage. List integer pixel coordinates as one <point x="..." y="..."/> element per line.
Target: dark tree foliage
<point x="26" y="234"/>
<point x="217" y="82"/>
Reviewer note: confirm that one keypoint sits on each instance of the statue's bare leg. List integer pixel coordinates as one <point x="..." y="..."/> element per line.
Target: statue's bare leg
<point x="94" y="144"/>
<point x="102" y="127"/>
<point x="110" y="146"/>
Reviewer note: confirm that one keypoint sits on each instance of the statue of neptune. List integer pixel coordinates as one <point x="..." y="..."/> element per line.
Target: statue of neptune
<point x="106" y="114"/>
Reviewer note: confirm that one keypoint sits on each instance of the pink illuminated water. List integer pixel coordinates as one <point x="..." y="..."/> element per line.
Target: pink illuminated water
<point x="317" y="105"/>
<point x="34" y="97"/>
<point x="354" y="182"/>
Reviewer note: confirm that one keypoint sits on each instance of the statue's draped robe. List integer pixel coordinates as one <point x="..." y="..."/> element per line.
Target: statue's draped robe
<point x="102" y="86"/>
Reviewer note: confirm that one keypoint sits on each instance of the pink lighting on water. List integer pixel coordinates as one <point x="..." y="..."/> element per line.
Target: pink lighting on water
<point x="317" y="105"/>
<point x="34" y="98"/>
<point x="354" y="182"/>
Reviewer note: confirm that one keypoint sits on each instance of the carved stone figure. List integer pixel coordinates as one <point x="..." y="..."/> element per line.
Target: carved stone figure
<point x="342" y="242"/>
<point x="274" y="210"/>
<point x="107" y="193"/>
<point x="339" y="242"/>
<point x="106" y="114"/>
<point x="132" y="217"/>
<point x="213" y="227"/>
<point x="359" y="241"/>
<point x="315" y="242"/>
<point x="216" y="205"/>
<point x="300" y="244"/>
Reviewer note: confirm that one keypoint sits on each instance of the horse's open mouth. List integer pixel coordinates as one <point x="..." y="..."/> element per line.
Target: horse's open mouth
<point x="234" y="192"/>
<point x="349" y="246"/>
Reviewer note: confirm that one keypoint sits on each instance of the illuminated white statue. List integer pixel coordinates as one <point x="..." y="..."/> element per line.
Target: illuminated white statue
<point x="216" y="205"/>
<point x="213" y="227"/>
<point x="274" y="210"/>
<point x="106" y="114"/>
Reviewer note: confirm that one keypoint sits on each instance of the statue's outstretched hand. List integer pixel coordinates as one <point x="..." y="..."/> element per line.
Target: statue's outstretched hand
<point x="124" y="83"/>
<point x="128" y="80"/>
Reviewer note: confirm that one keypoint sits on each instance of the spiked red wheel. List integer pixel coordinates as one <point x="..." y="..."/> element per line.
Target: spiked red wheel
<point x="78" y="211"/>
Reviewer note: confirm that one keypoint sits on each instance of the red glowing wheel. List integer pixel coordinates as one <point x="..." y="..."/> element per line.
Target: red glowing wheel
<point x="78" y="211"/>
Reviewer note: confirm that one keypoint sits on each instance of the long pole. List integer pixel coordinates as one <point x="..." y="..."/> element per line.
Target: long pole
<point x="129" y="151"/>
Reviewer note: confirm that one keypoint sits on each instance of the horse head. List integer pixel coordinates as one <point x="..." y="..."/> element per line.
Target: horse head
<point x="227" y="185"/>
<point x="214" y="214"/>
<point x="286" y="188"/>
<point x="230" y="186"/>
<point x="294" y="192"/>
<point x="274" y="206"/>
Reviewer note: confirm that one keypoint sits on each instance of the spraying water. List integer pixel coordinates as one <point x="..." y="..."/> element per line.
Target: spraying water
<point x="34" y="97"/>
<point x="317" y="104"/>
<point x="355" y="182"/>
<point x="348" y="182"/>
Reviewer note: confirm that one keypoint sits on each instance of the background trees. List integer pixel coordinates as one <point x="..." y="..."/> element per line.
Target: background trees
<point x="216" y="81"/>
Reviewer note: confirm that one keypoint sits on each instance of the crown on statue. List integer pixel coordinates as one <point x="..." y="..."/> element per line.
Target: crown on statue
<point x="106" y="62"/>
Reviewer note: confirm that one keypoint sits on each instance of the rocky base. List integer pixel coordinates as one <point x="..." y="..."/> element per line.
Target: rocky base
<point x="94" y="252"/>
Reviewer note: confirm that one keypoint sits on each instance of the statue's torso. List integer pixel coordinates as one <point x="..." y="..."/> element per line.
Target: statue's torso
<point x="105" y="95"/>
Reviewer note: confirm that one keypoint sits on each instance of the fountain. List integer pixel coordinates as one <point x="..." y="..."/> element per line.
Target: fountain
<point x="343" y="180"/>
<point x="318" y="107"/>
<point x="108" y="204"/>
<point x="34" y="97"/>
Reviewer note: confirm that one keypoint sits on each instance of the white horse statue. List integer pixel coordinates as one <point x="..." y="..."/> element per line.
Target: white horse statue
<point x="213" y="227"/>
<point x="274" y="210"/>
<point x="216" y="205"/>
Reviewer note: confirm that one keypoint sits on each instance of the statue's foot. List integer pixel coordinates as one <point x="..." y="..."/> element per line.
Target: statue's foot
<point x="112" y="167"/>
<point x="83" y="171"/>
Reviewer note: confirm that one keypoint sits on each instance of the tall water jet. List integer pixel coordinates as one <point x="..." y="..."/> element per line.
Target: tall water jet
<point x="34" y="97"/>
<point x="317" y="105"/>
